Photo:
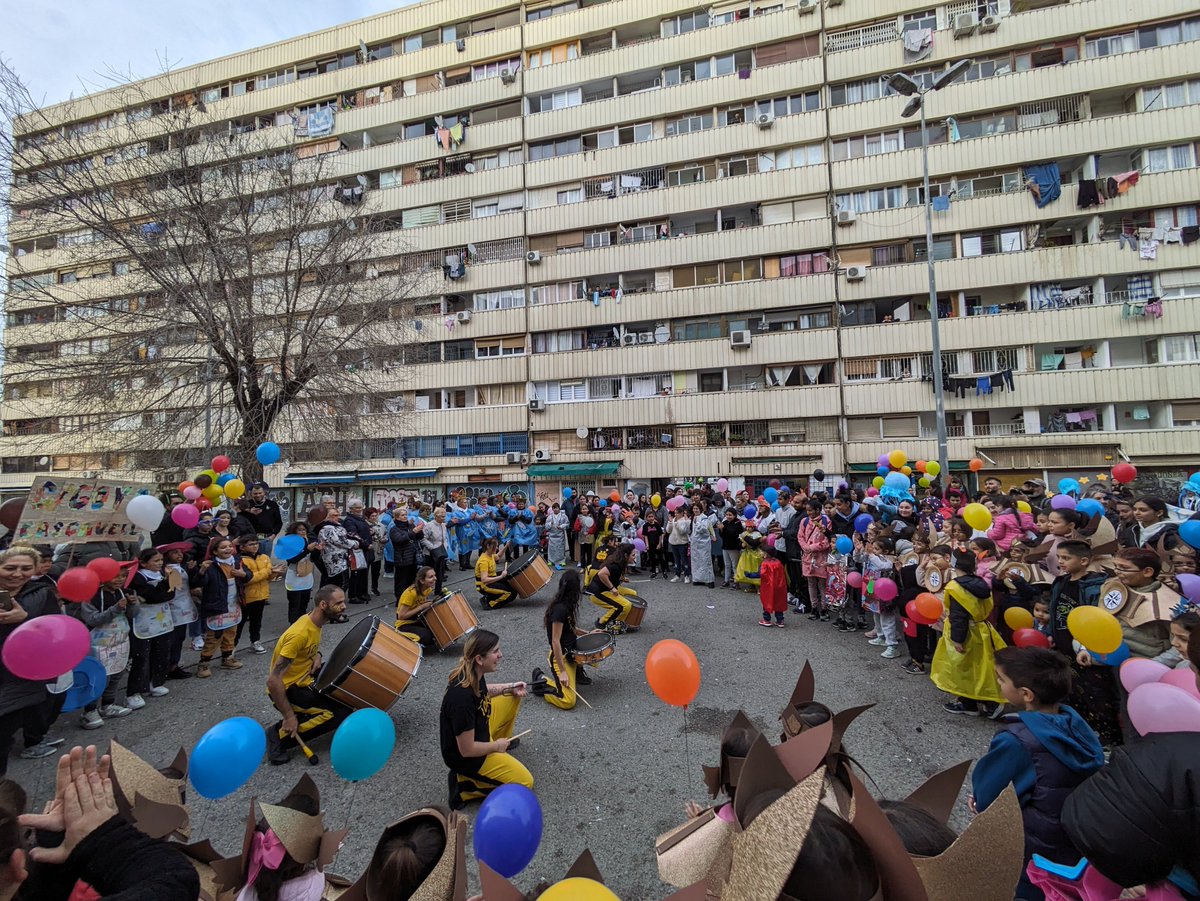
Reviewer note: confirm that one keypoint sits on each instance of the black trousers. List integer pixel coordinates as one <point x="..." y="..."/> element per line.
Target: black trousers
<point x="252" y="614"/>
<point x="316" y="714"/>
<point x="656" y="560"/>
<point x="298" y="602"/>
<point x="341" y="580"/>
<point x="148" y="659"/>
<point x="921" y="648"/>
<point x="358" y="584"/>
<point x="405" y="576"/>
<point x="438" y="560"/>
<point x="175" y="647"/>
<point x="374" y="569"/>
<point x="27" y="719"/>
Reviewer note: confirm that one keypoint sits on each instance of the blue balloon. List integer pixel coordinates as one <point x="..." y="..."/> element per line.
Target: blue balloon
<point x="774" y="505"/>
<point x="508" y="829"/>
<point x="225" y="477"/>
<point x="883" y="471"/>
<point x="1090" y="507"/>
<point x="226" y="757"/>
<point x="843" y="544"/>
<point x="603" y="502"/>
<point x="897" y="480"/>
<point x="89" y="679"/>
<point x="1068" y="486"/>
<point x="288" y="546"/>
<point x="862" y="522"/>
<point x="268" y="452"/>
<point x="751" y="511"/>
<point x="362" y="744"/>
<point x="771" y="495"/>
<point x="1189" y="533"/>
<point x="567" y="492"/>
<point x="1114" y="658"/>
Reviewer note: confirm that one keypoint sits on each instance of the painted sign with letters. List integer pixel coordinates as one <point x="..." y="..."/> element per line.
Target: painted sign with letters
<point x="76" y="510"/>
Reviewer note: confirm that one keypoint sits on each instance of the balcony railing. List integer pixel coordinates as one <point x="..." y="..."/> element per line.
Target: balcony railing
<point x="980" y="430"/>
<point x="867" y="36"/>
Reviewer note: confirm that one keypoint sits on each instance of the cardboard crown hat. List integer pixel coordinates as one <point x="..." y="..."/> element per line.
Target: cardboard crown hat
<point x="802" y="712"/>
<point x="202" y="856"/>
<point x="303" y="836"/>
<point x="446" y="882"/>
<point x="729" y="770"/>
<point x="495" y="887"/>
<point x="153" y="800"/>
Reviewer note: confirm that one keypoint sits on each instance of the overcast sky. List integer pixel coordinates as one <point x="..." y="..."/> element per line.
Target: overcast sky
<point x="64" y="47"/>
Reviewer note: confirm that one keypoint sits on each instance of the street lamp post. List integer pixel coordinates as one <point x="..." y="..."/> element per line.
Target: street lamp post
<point x="902" y="84"/>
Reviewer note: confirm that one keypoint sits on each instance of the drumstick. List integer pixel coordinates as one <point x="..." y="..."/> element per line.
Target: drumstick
<point x="582" y="698"/>
<point x="520" y="735"/>
<point x="313" y="759"/>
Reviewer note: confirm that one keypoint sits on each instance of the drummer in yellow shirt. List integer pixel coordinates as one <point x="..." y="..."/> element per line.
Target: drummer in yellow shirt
<point x="494" y="590"/>
<point x="414" y="603"/>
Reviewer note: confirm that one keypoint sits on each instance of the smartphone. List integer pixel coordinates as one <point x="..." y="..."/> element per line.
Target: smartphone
<point x="6" y="600"/>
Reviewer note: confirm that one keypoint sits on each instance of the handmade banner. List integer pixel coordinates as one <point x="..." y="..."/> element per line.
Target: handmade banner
<point x="73" y="510"/>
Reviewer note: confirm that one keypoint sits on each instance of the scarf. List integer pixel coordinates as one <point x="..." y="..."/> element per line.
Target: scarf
<point x="150" y="576"/>
<point x="231" y="562"/>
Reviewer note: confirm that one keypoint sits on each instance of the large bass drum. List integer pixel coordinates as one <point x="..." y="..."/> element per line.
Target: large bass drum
<point x="529" y="574"/>
<point x="370" y="667"/>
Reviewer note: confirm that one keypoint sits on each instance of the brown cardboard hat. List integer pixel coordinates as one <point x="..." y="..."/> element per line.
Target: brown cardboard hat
<point x="495" y="887"/>
<point x="153" y="800"/>
<point x="202" y="855"/>
<point x="447" y="881"/>
<point x="729" y="770"/>
<point x="991" y="849"/>
<point x="802" y="714"/>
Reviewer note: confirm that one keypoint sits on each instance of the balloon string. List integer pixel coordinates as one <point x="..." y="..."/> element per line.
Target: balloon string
<point x="687" y="753"/>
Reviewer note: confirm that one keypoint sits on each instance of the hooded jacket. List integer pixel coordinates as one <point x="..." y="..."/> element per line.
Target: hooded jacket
<point x="960" y="619"/>
<point x="844" y="524"/>
<point x="1045" y="756"/>
<point x="1139" y="817"/>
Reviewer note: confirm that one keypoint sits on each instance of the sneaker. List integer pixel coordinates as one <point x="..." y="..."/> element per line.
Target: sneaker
<point x="995" y="712"/>
<point x="863" y="627"/>
<point x="258" y="648"/>
<point x="712" y="584"/>
<point x="653" y="575"/>
<point x="231" y="663"/>
<point x="913" y="668"/>
<point x="765" y="621"/>
<point x="179" y="673"/>
<point x="891" y="652"/>
<point x="38" y="751"/>
<point x="843" y="627"/>
<point x="878" y="642"/>
<point x="687" y="580"/>
<point x="204" y="672"/>
<point x="814" y="615"/>
<point x="116" y="710"/>
<point x="582" y="678"/>
<point x="960" y="708"/>
<point x="824" y="616"/>
<point x="558" y="567"/>
<point x="872" y="635"/>
<point x="674" y="578"/>
<point x="91" y="720"/>
<point x="779" y="624"/>
<point x="159" y="691"/>
<point x="135" y="702"/>
<point x="793" y="600"/>
<point x="197" y="643"/>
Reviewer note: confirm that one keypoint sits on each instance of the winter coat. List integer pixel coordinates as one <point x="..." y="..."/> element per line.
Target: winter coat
<point x="1007" y="527"/>
<point x="404" y="542"/>
<point x="38" y="599"/>
<point x="214" y="589"/>
<point x="813" y="536"/>
<point x="339" y="545"/>
<point x="357" y="527"/>
<point x="258" y="586"/>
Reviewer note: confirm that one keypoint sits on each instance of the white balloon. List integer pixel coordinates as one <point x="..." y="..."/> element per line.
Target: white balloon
<point x="145" y="511"/>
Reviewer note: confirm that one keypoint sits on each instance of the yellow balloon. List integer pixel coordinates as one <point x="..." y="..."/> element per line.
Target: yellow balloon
<point x="907" y="470"/>
<point x="1018" y="618"/>
<point x="977" y="517"/>
<point x="1095" y="629"/>
<point x="932" y="468"/>
<point x="897" y="458"/>
<point x="234" y="489"/>
<point x="578" y="889"/>
<point x="656" y="501"/>
<point x="212" y="492"/>
<point x="877" y="481"/>
<point x="1024" y="507"/>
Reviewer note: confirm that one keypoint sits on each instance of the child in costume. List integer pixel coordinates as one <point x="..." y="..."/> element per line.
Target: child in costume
<point x="964" y="662"/>
<point x="772" y="588"/>
<point x="750" y="561"/>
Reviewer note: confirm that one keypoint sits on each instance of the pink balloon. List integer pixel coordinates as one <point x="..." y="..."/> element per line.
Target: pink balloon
<point x="722" y="485"/>
<point x="854" y="579"/>
<point x="1140" y="671"/>
<point x="191" y="492"/>
<point x="1156" y="707"/>
<point x="886" y="590"/>
<point x="872" y="491"/>
<point x="186" y="516"/>
<point x="1184" y="678"/>
<point x="770" y="541"/>
<point x="45" y="647"/>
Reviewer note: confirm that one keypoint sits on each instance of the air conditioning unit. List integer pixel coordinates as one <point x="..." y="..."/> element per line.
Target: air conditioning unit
<point x="846" y="217"/>
<point x="512" y="459"/>
<point x="460" y="45"/>
<point x="989" y="23"/>
<point x="537" y="405"/>
<point x="806" y="6"/>
<point x="645" y="338"/>
<point x="508" y="76"/>
<point x="542" y="455"/>
<point x="833" y="2"/>
<point x="856" y="273"/>
<point x="533" y="257"/>
<point x="740" y="338"/>
<point x="463" y="315"/>
<point x="627" y="340"/>
<point x="965" y="24"/>
<point x="764" y="121"/>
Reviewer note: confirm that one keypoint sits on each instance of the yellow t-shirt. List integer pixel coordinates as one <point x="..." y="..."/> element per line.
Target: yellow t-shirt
<point x="411" y="600"/>
<point x="484" y="566"/>
<point x="299" y="644"/>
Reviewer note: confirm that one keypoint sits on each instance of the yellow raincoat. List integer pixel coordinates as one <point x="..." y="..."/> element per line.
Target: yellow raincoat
<point x="749" y="564"/>
<point x="971" y="674"/>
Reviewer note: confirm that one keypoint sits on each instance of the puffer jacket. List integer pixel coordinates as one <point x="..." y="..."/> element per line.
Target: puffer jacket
<point x="1007" y="527"/>
<point x="38" y="599"/>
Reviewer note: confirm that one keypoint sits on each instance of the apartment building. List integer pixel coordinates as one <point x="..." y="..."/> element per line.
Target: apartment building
<point x="687" y="239"/>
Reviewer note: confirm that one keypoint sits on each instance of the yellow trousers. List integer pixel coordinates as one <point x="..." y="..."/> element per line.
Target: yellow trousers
<point x="615" y="603"/>
<point x="566" y="680"/>
<point x="497" y="769"/>
<point x="495" y="595"/>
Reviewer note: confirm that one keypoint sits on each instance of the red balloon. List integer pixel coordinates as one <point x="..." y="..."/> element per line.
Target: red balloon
<point x="1124" y="473"/>
<point x="776" y="484"/>
<point x="1030" y="638"/>
<point x="913" y="612"/>
<point x="202" y="503"/>
<point x="106" y="568"/>
<point x="10" y="512"/>
<point x="78" y="584"/>
<point x="220" y="463"/>
<point x="673" y="672"/>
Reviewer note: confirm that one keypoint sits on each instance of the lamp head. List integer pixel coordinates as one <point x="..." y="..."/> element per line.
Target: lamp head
<point x="952" y="74"/>
<point x="911" y="107"/>
<point x="902" y="84"/>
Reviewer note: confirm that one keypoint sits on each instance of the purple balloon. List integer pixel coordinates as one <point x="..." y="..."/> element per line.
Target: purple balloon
<point x="884" y="460"/>
<point x="45" y="647"/>
<point x="1062" y="502"/>
<point x="639" y="545"/>
<point x="1190" y="586"/>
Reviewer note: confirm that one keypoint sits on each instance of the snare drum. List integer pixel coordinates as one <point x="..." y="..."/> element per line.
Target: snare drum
<point x="529" y="574"/>
<point x="637" y="612"/>
<point x="591" y="649"/>
<point x="450" y="619"/>
<point x="370" y="667"/>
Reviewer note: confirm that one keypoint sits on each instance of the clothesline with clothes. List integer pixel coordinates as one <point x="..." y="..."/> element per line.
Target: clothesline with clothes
<point x="1072" y="421"/>
<point x="982" y="384"/>
<point x="1097" y="191"/>
<point x="1078" y="359"/>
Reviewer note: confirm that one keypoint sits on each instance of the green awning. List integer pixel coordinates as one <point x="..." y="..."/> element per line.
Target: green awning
<point x="573" y="470"/>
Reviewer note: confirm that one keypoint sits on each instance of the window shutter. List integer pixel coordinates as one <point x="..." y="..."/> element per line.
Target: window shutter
<point x="862" y="429"/>
<point x="901" y="427"/>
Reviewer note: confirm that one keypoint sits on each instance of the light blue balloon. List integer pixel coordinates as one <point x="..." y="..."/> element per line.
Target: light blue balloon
<point x="774" y="505"/>
<point x="1068" y="486"/>
<point x="268" y="452"/>
<point x="771" y="495"/>
<point x="287" y="547"/>
<point x="226" y="757"/>
<point x="1090" y="507"/>
<point x="225" y="477"/>
<point x="567" y="492"/>
<point x="843" y="544"/>
<point x="896" y="480"/>
<point x="1189" y="533"/>
<point x="362" y="744"/>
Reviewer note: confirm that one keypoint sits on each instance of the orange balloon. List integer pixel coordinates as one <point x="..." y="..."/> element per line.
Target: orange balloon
<point x="673" y="672"/>
<point x="975" y="465"/>
<point x="615" y="496"/>
<point x="185" y="485"/>
<point x="919" y="466"/>
<point x="929" y="606"/>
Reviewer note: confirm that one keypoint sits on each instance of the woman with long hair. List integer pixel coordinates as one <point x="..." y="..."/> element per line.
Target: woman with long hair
<point x="414" y="603"/>
<point x="1154" y="526"/>
<point x="476" y="723"/>
<point x="605" y="590"/>
<point x="560" y="620"/>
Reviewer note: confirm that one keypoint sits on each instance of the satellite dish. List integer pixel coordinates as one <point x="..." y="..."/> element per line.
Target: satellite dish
<point x="469" y="168"/>
<point x="662" y="335"/>
<point x="363" y="180"/>
<point x="581" y="432"/>
<point x="42" y="461"/>
<point x="472" y="251"/>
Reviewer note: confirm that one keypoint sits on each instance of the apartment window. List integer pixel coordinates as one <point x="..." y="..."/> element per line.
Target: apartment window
<point x="791" y="105"/>
<point x="560" y="147"/>
<point x="867" y="145"/>
<point x="1182" y="348"/>
<point x="943" y="248"/>
<point x="559" y="293"/>
<point x="989" y="68"/>
<point x="998" y="242"/>
<point x="1183" y="413"/>
<point x="572" y="391"/>
<point x="856" y="91"/>
<point x="873" y="199"/>
<point x="712" y="381"/>
<point x="572" y="195"/>
<point x="500" y="347"/>
<point x="860" y="370"/>
<point x="550" y="55"/>
<point x="949" y="365"/>
<point x="692" y="276"/>
<point x="1168" y="33"/>
<point x="546" y="12"/>
<point x="272" y="79"/>
<point x="493" y="69"/>
<point x="505" y="299"/>
<point x="1113" y="43"/>
<point x="981" y="126"/>
<point x="1052" y="55"/>
<point x="1169" y="96"/>
<point x="743" y="270"/>
<point x="563" y="99"/>
<point x="918" y="21"/>
<point x="558" y="342"/>
<point x="690" y="123"/>
<point x="791" y="157"/>
<point x="685" y="23"/>
<point x="1164" y="159"/>
<point x="796" y="264"/>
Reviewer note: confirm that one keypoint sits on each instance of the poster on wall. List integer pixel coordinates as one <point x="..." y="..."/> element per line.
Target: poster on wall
<point x="75" y="510"/>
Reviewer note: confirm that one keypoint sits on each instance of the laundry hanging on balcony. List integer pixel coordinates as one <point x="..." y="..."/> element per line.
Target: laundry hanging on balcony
<point x="980" y="384"/>
<point x="1044" y="182"/>
<point x="918" y="44"/>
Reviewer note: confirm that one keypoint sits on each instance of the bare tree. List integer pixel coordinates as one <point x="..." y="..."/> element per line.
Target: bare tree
<point x="219" y="282"/>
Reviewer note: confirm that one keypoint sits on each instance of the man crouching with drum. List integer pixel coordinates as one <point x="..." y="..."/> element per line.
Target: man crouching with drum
<point x="477" y="724"/>
<point x="294" y="665"/>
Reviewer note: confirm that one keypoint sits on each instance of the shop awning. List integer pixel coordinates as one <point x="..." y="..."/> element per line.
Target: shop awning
<point x="395" y="475"/>
<point x="320" y="478"/>
<point x="573" y="470"/>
